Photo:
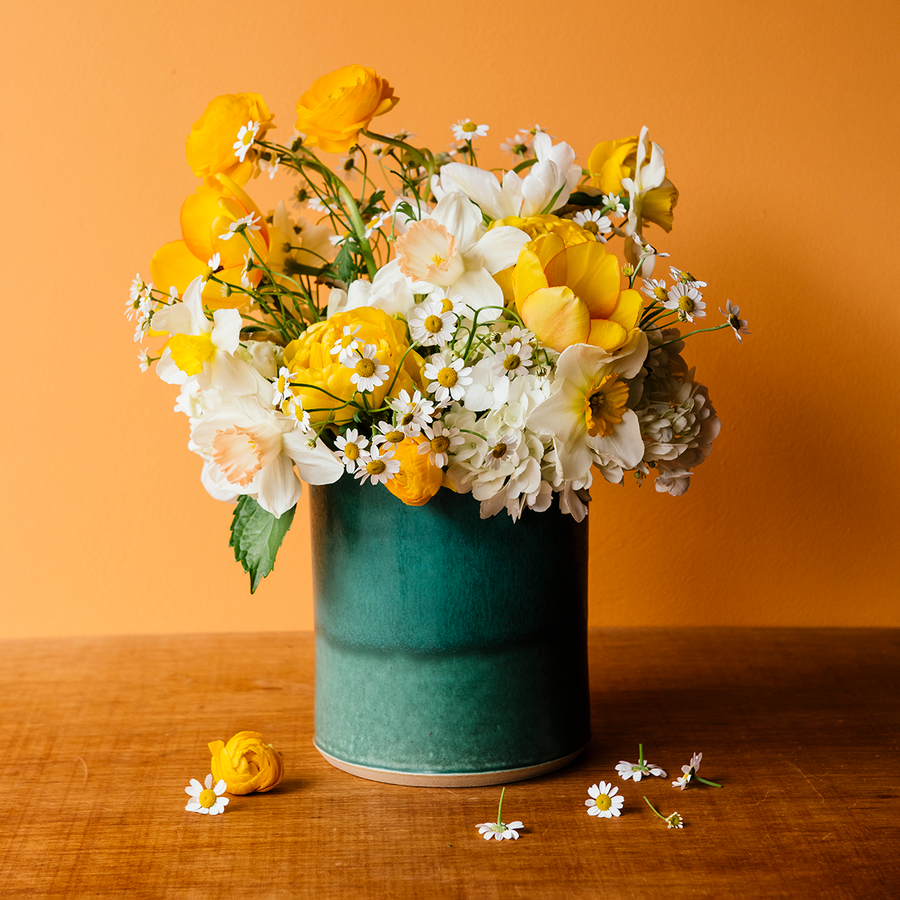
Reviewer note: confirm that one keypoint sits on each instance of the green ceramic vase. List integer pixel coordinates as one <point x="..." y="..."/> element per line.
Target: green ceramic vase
<point x="450" y="650"/>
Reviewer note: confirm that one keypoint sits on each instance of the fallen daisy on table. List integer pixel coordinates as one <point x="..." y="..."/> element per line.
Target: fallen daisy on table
<point x="498" y="829"/>
<point x="206" y="800"/>
<point x="673" y="821"/>
<point x="640" y="768"/>
<point x="604" y="803"/>
<point x="690" y="773"/>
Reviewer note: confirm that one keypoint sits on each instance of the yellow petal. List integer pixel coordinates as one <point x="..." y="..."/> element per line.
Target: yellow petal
<point x="606" y="334"/>
<point x="628" y="310"/>
<point x="173" y="265"/>
<point x="593" y="274"/>
<point x="556" y="316"/>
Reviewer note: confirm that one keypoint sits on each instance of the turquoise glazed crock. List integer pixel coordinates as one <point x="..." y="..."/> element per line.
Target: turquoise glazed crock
<point x="450" y="650"/>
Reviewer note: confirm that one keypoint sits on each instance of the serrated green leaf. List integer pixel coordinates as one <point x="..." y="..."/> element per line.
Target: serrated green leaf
<point x="344" y="262"/>
<point x="256" y="536"/>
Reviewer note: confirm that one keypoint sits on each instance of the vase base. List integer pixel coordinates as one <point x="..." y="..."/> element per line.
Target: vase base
<point x="450" y="779"/>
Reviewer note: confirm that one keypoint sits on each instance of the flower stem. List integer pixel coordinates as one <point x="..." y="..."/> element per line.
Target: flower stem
<point x="500" y="806"/>
<point x="710" y="783"/>
<point x="656" y="812"/>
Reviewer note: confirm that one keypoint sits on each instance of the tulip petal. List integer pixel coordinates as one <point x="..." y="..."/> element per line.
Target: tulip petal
<point x="593" y="274"/>
<point x="606" y="334"/>
<point x="174" y="265"/>
<point x="556" y="316"/>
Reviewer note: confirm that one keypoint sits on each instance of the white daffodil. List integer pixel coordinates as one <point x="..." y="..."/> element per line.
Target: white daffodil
<point x="545" y="187"/>
<point x="648" y="175"/>
<point x="452" y="249"/>
<point x="252" y="449"/>
<point x="203" y="349"/>
<point x="586" y="414"/>
<point x="206" y="798"/>
<point x="605" y="801"/>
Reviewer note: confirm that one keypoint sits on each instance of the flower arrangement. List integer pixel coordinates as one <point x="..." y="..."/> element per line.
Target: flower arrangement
<point x="428" y="324"/>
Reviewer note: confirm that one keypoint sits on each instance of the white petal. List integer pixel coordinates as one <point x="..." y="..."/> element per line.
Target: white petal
<point x="500" y="247"/>
<point x="625" y="444"/>
<point x="231" y="375"/>
<point x="461" y="218"/>
<point x="277" y="486"/>
<point x="316" y="465"/>
<point x="474" y="183"/>
<point x="226" y="330"/>
<point x="168" y="371"/>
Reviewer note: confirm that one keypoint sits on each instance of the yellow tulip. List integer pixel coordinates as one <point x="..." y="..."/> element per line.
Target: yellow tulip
<point x="341" y="104"/>
<point x="246" y="763"/>
<point x="329" y="387"/>
<point x="205" y="216"/>
<point x="419" y="479"/>
<point x="569" y="293"/>
<point x="210" y="145"/>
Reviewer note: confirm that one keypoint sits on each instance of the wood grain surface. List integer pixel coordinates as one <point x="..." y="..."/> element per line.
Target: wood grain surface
<point x="99" y="737"/>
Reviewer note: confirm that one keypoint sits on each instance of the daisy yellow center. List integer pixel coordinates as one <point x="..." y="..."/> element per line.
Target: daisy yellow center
<point x="591" y="226"/>
<point x="351" y="451"/>
<point x="375" y="467"/>
<point x="394" y="437"/>
<point x="433" y="324"/>
<point x="499" y="451"/>
<point x="247" y="139"/>
<point x="447" y="377"/>
<point x="365" y="368"/>
<point x="407" y="419"/>
<point x="446" y="305"/>
<point x="605" y="405"/>
<point x="512" y="362"/>
<point x="440" y="444"/>
<point x="207" y="798"/>
<point x="660" y="294"/>
<point x="685" y="304"/>
<point x="604" y="802"/>
<point x="470" y="127"/>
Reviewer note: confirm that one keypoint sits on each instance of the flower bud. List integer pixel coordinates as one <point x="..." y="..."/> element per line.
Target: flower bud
<point x="246" y="763"/>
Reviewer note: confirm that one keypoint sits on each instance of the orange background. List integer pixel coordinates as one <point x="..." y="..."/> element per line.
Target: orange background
<point x="779" y="121"/>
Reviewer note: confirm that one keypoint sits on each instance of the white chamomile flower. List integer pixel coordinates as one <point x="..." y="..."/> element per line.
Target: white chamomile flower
<point x="733" y="314"/>
<point x="686" y="277"/>
<point x="517" y="334"/>
<point x="143" y="361"/>
<point x="245" y="138"/>
<point x="672" y="821"/>
<point x="352" y="449"/>
<point x="316" y="204"/>
<point x="368" y="373"/>
<point x="245" y="223"/>
<point x="213" y="265"/>
<point x="282" y="385"/>
<point x="346" y="345"/>
<point x="294" y="408"/>
<point x="269" y="165"/>
<point x="413" y="413"/>
<point x="690" y="773"/>
<point x="441" y="442"/>
<point x="378" y="465"/>
<point x="604" y="802"/>
<point x="467" y="130"/>
<point x="499" y="830"/>
<point x="387" y="433"/>
<point x="377" y="222"/>
<point x="637" y="770"/>
<point x="615" y="205"/>
<point x="448" y="378"/>
<point x="686" y="301"/>
<point x="655" y="289"/>
<point x="245" y="271"/>
<point x="502" y="449"/>
<point x="511" y="359"/>
<point x="430" y="325"/>
<point x="518" y="145"/>
<point x="206" y="798"/>
<point x="591" y="220"/>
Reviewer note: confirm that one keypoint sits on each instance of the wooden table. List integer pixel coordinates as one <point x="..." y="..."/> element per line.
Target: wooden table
<point x="802" y="727"/>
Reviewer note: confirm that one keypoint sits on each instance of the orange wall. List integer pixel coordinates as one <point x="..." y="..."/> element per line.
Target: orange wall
<point x="779" y="121"/>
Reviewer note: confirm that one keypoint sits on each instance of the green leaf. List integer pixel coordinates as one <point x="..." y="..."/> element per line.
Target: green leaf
<point x="344" y="262"/>
<point x="256" y="536"/>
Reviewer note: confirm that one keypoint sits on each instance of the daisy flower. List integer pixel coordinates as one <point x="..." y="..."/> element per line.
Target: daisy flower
<point x="387" y="434"/>
<point x="502" y="450"/>
<point x="512" y="359"/>
<point x="441" y="442"/>
<point x="213" y="265"/>
<point x="604" y="802"/>
<point x="686" y="278"/>
<point x="208" y="799"/>
<point x="518" y="145"/>
<point x="467" y="130"/>
<point x="346" y="345"/>
<point x="413" y="413"/>
<point x="637" y="770"/>
<point x="369" y="372"/>
<point x="449" y="379"/>
<point x="143" y="361"/>
<point x="351" y="448"/>
<point x="593" y="221"/>
<point x="245" y="138"/>
<point x="517" y="334"/>
<point x="690" y="773"/>
<point x="430" y="325"/>
<point x="732" y="313"/>
<point x="316" y="204"/>
<point x="269" y="165"/>
<point x="245" y="223"/>
<point x="615" y="205"/>
<point x="498" y="829"/>
<point x="282" y="384"/>
<point x="655" y="289"/>
<point x="687" y="301"/>
<point x="378" y="466"/>
<point x="673" y="821"/>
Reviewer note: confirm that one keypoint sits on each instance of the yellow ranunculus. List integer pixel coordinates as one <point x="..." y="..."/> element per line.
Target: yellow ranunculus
<point x="312" y="363"/>
<point x="246" y="763"/>
<point x="611" y="161"/>
<point x="210" y="145"/>
<point x="205" y="216"/>
<point x="341" y="104"/>
<point x="569" y="293"/>
<point x="419" y="479"/>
